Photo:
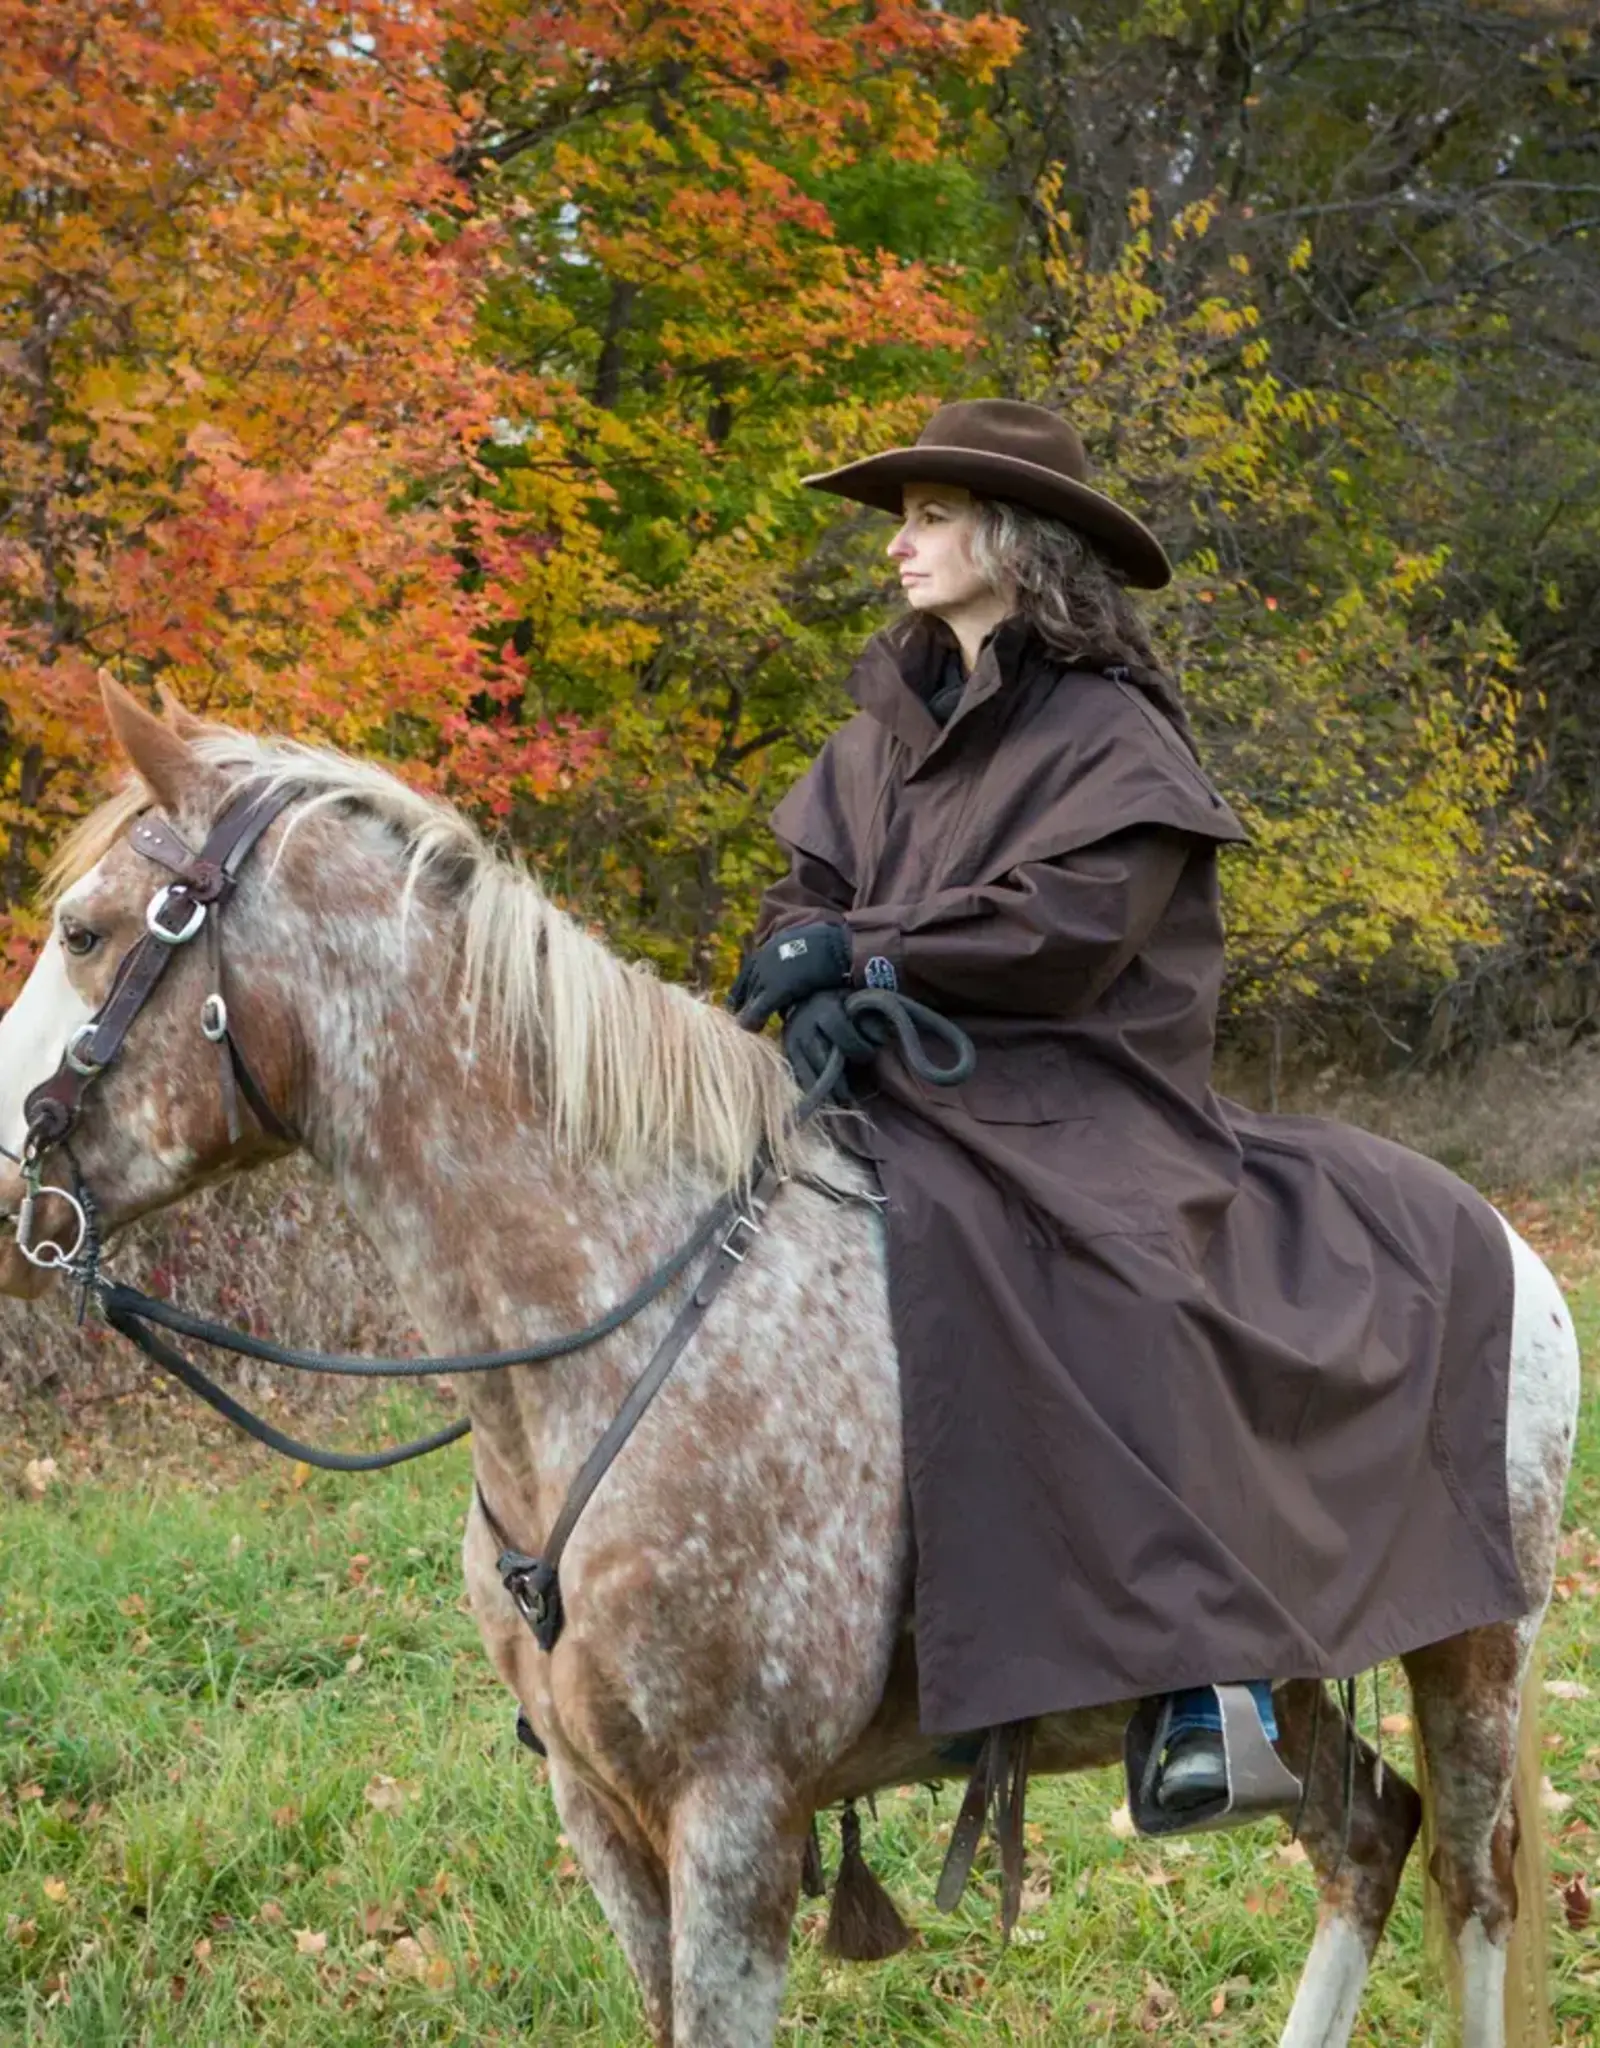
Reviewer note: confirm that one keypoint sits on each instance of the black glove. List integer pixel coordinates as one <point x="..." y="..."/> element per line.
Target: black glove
<point x="818" y="1026"/>
<point x="790" y="965"/>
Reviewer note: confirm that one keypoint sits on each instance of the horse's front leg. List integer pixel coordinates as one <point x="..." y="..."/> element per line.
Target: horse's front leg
<point x="624" y="1871"/>
<point x="737" y="1839"/>
<point x="628" y="1879"/>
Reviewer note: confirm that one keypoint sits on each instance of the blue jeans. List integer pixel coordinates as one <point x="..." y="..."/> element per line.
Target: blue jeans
<point x="1197" y="1708"/>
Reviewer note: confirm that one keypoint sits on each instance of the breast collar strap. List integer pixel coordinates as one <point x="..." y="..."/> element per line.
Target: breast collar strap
<point x="534" y="1583"/>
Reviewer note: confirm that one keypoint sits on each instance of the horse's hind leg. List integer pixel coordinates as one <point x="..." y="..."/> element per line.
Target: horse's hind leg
<point x="630" y="1882"/>
<point x="1359" y="1878"/>
<point x="737" y="1842"/>
<point x="1466" y="1694"/>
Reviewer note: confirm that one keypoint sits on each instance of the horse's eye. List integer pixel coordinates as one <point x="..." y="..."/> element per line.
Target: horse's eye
<point x="78" y="938"/>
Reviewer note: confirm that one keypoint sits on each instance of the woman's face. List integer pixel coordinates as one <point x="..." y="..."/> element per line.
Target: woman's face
<point x="933" y="550"/>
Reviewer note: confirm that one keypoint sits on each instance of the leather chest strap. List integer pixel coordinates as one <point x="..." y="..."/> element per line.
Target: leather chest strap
<point x="534" y="1582"/>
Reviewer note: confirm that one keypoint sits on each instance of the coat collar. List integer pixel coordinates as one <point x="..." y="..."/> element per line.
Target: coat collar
<point x="899" y="665"/>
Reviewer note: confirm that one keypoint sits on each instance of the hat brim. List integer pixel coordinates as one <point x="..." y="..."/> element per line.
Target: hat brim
<point x="879" y="481"/>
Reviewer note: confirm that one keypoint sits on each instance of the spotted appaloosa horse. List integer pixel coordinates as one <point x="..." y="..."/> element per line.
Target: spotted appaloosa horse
<point x="524" y="1125"/>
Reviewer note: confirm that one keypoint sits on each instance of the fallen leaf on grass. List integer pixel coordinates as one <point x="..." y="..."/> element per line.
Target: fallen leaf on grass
<point x="270" y="1913"/>
<point x="1290" y="1852"/>
<point x="408" y="1959"/>
<point x="381" y="1919"/>
<point x="385" y="1794"/>
<point x="1036" y="1886"/>
<point x="1157" y="2006"/>
<point x="1566" y="1689"/>
<point x="23" y="1932"/>
<point x="1577" y="1902"/>
<point x="309" y="1941"/>
<point x="1396" y="1724"/>
<point x="1231" y="1987"/>
<point x="1551" y="1800"/>
<point x="37" y="1475"/>
<point x="55" y="1890"/>
<point x="1121" y="1823"/>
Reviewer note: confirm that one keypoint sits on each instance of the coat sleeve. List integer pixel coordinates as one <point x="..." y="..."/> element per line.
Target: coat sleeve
<point x="812" y="889"/>
<point x="1046" y="940"/>
<point x="811" y="823"/>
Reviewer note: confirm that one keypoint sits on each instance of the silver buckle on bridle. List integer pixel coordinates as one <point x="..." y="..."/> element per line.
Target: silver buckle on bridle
<point x="191" y="924"/>
<point x="75" y="1059"/>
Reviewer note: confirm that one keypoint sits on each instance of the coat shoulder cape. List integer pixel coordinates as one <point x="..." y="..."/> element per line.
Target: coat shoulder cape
<point x="1091" y="758"/>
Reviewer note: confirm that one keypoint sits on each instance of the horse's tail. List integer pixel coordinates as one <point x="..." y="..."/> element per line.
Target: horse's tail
<point x="1528" y="2023"/>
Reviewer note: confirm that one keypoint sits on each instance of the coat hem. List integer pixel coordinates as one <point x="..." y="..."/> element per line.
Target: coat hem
<point x="1040" y="1694"/>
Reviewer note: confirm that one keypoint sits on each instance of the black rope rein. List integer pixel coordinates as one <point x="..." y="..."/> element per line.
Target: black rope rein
<point x="131" y="1312"/>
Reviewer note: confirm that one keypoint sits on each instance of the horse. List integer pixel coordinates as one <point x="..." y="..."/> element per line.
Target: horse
<point x="523" y="1124"/>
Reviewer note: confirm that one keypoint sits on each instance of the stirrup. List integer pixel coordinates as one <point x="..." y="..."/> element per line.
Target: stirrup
<point x="1259" y="1782"/>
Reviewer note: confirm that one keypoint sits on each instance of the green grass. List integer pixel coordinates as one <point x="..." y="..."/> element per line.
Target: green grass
<point x="258" y="1785"/>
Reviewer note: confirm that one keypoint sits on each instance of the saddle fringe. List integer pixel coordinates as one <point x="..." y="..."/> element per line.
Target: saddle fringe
<point x="864" y="1924"/>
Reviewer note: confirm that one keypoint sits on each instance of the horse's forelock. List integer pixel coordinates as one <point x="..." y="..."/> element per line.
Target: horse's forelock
<point x="91" y="839"/>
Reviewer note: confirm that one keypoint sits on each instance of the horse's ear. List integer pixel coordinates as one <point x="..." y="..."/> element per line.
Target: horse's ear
<point x="161" y="757"/>
<point x="178" y="715"/>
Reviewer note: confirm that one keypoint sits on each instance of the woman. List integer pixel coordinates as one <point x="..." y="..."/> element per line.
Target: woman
<point x="1186" y="1391"/>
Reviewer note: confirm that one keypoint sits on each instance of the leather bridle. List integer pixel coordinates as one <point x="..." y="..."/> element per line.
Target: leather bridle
<point x="181" y="911"/>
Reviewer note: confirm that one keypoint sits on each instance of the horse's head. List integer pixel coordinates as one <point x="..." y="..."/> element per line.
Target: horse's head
<point x="155" y="1123"/>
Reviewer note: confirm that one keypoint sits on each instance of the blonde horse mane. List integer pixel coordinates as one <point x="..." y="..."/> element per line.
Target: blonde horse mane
<point x="634" y="1073"/>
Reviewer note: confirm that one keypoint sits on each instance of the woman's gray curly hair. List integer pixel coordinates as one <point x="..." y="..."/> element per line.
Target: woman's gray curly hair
<point x="1061" y="583"/>
<point x="1072" y="596"/>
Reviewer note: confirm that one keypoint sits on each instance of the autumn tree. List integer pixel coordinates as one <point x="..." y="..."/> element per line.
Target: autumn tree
<point x="242" y="404"/>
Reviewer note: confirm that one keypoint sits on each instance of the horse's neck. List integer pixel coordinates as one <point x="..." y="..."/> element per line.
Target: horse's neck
<point x="492" y="1241"/>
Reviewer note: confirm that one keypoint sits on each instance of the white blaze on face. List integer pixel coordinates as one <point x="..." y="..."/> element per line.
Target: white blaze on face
<point x="33" y="1035"/>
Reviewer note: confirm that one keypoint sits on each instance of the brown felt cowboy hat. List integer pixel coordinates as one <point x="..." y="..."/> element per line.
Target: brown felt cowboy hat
<point x="1001" y="448"/>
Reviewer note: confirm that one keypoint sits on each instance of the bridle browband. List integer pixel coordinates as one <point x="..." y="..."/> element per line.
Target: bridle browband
<point x="192" y="903"/>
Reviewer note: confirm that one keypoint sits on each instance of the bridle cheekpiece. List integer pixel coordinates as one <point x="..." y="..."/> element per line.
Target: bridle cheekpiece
<point x="179" y="912"/>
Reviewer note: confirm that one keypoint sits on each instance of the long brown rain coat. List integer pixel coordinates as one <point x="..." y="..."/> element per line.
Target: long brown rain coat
<point x="1189" y="1393"/>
